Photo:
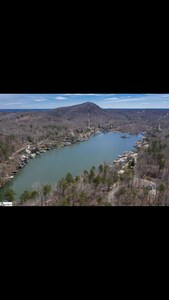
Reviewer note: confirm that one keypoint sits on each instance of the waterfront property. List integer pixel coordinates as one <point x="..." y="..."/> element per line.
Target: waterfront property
<point x="52" y="165"/>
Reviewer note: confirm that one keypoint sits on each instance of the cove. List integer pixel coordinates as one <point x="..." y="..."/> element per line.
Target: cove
<point x="51" y="166"/>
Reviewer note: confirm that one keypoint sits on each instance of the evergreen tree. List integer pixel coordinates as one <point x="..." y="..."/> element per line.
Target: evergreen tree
<point x="69" y="178"/>
<point x="10" y="194"/>
<point x="26" y="195"/>
<point x="46" y="190"/>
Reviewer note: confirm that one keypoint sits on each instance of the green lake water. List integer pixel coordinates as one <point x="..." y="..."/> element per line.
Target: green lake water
<point x="51" y="166"/>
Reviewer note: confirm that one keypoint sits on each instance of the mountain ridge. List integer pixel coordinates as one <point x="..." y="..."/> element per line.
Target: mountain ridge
<point x="85" y="107"/>
<point x="81" y="111"/>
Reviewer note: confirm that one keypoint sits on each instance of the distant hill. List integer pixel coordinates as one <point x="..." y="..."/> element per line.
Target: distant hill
<point x="81" y="115"/>
<point x="90" y="114"/>
<point x="76" y="111"/>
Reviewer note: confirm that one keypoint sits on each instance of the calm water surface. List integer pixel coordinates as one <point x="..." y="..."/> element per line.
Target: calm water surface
<point x="51" y="166"/>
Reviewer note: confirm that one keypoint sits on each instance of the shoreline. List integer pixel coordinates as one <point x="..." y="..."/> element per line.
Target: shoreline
<point x="133" y="155"/>
<point x="44" y="147"/>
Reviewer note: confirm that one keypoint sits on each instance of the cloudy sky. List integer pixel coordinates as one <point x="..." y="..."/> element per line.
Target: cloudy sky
<point x="32" y="101"/>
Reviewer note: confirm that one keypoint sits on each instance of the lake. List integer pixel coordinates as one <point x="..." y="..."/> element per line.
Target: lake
<point x="51" y="166"/>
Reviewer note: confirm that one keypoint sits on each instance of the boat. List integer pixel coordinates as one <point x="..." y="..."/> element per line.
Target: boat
<point x="42" y="151"/>
<point x="14" y="172"/>
<point x="125" y="136"/>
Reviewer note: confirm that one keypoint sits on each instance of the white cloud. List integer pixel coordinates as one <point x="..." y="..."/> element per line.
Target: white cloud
<point x="111" y="98"/>
<point x="40" y="100"/>
<point x="14" y="103"/>
<point x="103" y="100"/>
<point x="86" y="94"/>
<point x="60" y="98"/>
<point x="82" y="94"/>
<point x="143" y="101"/>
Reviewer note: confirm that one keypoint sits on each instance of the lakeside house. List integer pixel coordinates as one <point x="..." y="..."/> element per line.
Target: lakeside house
<point x="27" y="151"/>
<point x="120" y="172"/>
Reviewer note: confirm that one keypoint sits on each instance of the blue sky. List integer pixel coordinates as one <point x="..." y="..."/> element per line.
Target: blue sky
<point x="19" y="101"/>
